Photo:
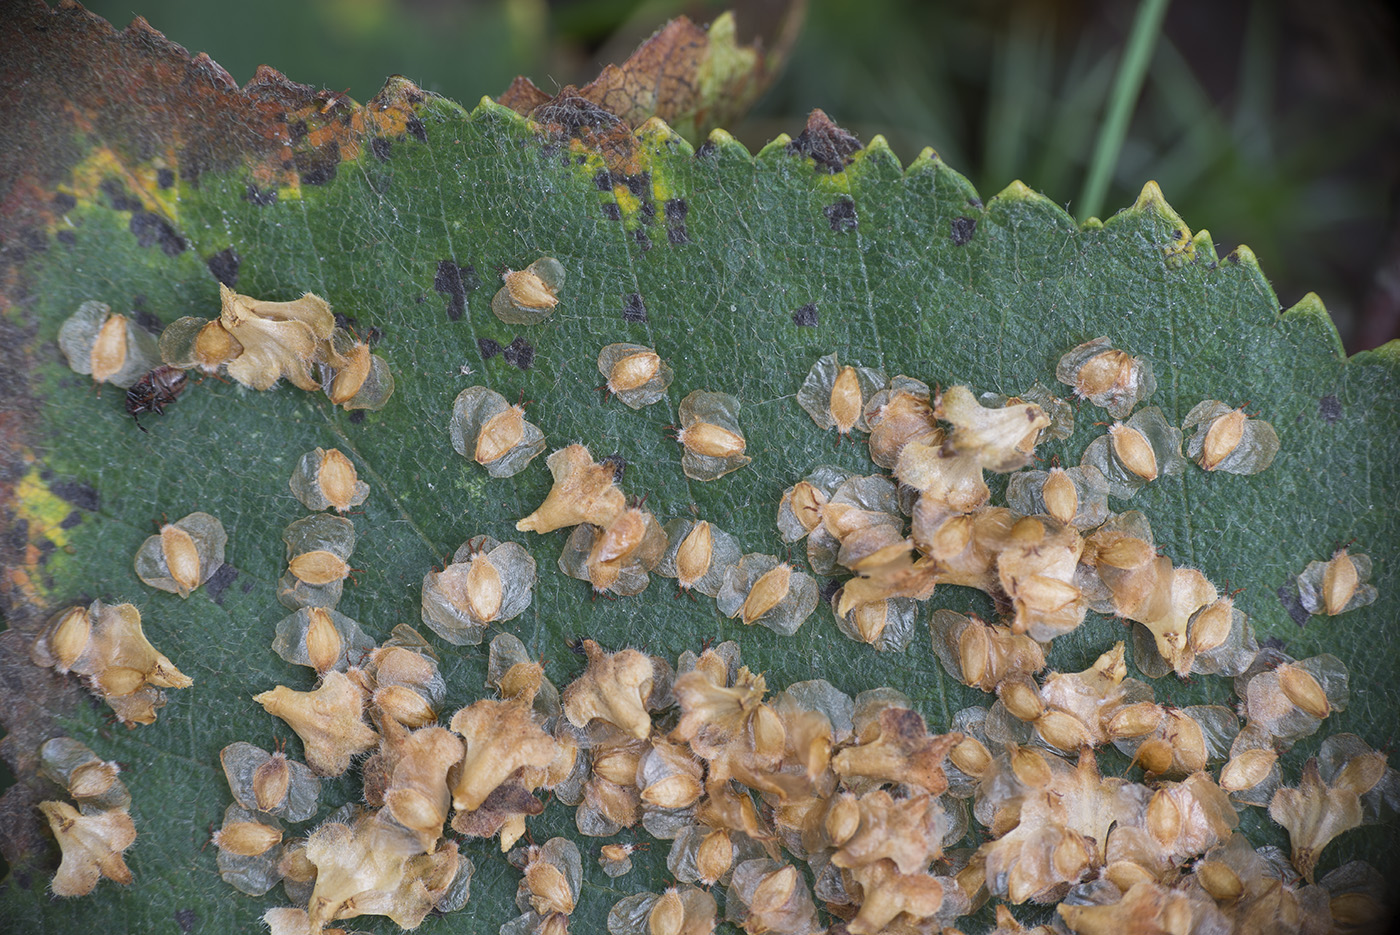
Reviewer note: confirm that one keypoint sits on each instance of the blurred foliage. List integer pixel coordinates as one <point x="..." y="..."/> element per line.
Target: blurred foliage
<point x="1275" y="124"/>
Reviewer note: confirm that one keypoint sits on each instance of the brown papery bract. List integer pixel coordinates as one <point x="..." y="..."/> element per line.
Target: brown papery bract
<point x="583" y="492"/>
<point x="615" y="687"/>
<point x="330" y="721"/>
<point x="92" y="846"/>
<point x="898" y="748"/>
<point x="501" y="737"/>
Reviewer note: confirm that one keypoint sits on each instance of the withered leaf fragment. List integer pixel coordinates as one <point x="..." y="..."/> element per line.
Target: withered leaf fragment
<point x="107" y="647"/>
<point x="999" y="440"/>
<point x="635" y="374"/>
<point x="375" y="867"/>
<point x="489" y="430"/>
<point x="184" y="555"/>
<point x="1106" y="376"/>
<point x="111" y="348"/>
<point x="1225" y="439"/>
<point x="530" y="295"/>
<point x="897" y="748"/>
<point x="713" y="443"/>
<point x="584" y="491"/>
<point x="92" y="846"/>
<point x="327" y="479"/>
<point x="330" y="721"/>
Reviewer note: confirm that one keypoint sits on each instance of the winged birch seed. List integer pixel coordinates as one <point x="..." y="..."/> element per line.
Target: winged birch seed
<point x="616" y="859"/>
<point x="1301" y="688"/>
<point x="487" y="583"/>
<point x="1337" y="585"/>
<point x="1134" y="451"/>
<point x="1247" y="769"/>
<point x="834" y="395"/>
<point x="1061" y="497"/>
<point x="183" y="555"/>
<point x="69" y="636"/>
<point x="111" y="348"/>
<point x="767" y="592"/>
<point x="247" y="838"/>
<point x="323" y="642"/>
<point x="1339" y="582"/>
<point x="327" y="479"/>
<point x="760" y="589"/>
<point x="319" y="567"/>
<point x="715" y="856"/>
<point x="1219" y="880"/>
<point x="492" y="432"/>
<point x="693" y="556"/>
<point x="635" y="374"/>
<point x="529" y="296"/>
<point x="1224" y="439"/>
<point x="1106" y="376"/>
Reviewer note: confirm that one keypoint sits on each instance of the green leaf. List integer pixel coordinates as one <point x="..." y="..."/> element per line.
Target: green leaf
<point x="908" y="269"/>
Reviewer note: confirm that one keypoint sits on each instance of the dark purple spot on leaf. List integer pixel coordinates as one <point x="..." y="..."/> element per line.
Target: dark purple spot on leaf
<point x="633" y="308"/>
<point x="677" y="234"/>
<point x="706" y="150"/>
<point x="67" y="238"/>
<point x="676" y="209"/>
<point x="219" y="581"/>
<point x="224" y="266"/>
<point x="455" y="282"/>
<point x="961" y="229"/>
<point x="828" y="589"/>
<point x="1330" y="407"/>
<point x="144" y="319"/>
<point x="262" y="198"/>
<point x="165" y="178"/>
<point x="151" y="229"/>
<point x="297" y="131"/>
<point x="648" y="211"/>
<point x="488" y="347"/>
<point x="806" y="316"/>
<point x="118" y="196"/>
<point x="841" y="215"/>
<point x="1288" y="597"/>
<point x="64" y="202"/>
<point x="186" y="919"/>
<point x="381" y="148"/>
<point x="612" y="212"/>
<point x="643" y="239"/>
<point x="357" y="417"/>
<point x="639" y="185"/>
<point x="975" y="202"/>
<point x="619" y="464"/>
<point x="72" y="519"/>
<point x="81" y="495"/>
<point x="520" y="354"/>
<point x="415" y="129"/>
<point x="603" y="180"/>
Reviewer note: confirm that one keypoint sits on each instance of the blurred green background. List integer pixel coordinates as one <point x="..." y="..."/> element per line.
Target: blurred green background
<point x="1274" y="123"/>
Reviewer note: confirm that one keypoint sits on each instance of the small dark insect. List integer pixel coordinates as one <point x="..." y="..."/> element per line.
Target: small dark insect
<point x="154" y="391"/>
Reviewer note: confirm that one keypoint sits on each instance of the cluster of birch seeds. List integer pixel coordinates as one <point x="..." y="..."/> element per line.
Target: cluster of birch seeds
<point x="259" y="343"/>
<point x="790" y="803"/>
